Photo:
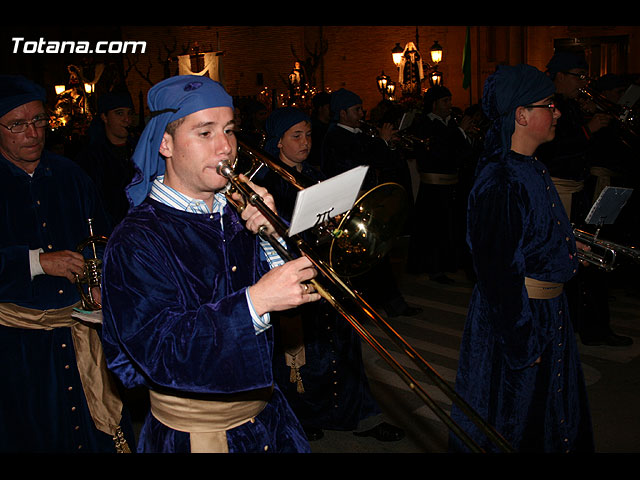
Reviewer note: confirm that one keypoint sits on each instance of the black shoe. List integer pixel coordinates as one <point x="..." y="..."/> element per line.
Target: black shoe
<point x="383" y="432"/>
<point x="313" y="433"/>
<point x="611" y="340"/>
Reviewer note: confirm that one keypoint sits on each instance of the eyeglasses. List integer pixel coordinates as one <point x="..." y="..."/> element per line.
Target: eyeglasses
<point x="551" y="106"/>
<point x="20" y="127"/>
<point x="581" y="76"/>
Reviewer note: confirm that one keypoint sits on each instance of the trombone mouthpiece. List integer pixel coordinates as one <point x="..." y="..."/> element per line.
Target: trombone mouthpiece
<point x="224" y="169"/>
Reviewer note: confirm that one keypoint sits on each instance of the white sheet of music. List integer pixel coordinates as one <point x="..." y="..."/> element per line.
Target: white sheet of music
<point x="324" y="200"/>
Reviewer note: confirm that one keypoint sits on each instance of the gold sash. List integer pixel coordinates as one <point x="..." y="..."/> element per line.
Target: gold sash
<point x="541" y="290"/>
<point x="207" y="421"/>
<point x="439" y="178"/>
<point x="565" y="189"/>
<point x="603" y="179"/>
<point x="99" y="387"/>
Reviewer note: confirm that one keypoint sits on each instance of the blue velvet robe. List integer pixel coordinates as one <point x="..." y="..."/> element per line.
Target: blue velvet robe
<point x="336" y="394"/>
<point x="42" y="400"/>
<point x="176" y="320"/>
<point x="517" y="227"/>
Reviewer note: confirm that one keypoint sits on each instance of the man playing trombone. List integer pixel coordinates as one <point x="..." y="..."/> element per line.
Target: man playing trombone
<point x="188" y="290"/>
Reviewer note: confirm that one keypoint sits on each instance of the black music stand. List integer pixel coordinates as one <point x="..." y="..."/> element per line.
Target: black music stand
<point x="607" y="207"/>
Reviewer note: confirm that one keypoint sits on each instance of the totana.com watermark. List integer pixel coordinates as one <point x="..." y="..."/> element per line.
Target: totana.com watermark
<point x="20" y="45"/>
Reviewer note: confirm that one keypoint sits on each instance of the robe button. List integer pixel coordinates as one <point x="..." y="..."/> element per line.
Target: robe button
<point x="60" y="292"/>
<point x="234" y="268"/>
<point x="266" y="447"/>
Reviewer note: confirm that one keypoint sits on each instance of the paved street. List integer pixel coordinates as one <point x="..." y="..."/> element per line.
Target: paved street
<point x="612" y="374"/>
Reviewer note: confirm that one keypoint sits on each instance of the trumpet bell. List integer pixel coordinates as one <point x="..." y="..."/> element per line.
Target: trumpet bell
<point x="92" y="249"/>
<point x="367" y="232"/>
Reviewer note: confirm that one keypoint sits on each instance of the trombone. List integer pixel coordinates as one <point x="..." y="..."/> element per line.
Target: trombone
<point x="602" y="253"/>
<point x="351" y="305"/>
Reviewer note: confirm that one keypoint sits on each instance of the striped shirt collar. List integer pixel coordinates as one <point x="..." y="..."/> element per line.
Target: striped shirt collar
<point x="171" y="197"/>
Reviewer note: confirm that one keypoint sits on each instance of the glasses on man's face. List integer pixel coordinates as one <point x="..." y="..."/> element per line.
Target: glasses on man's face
<point x="19" y="127"/>
<point x="581" y="76"/>
<point x="551" y="106"/>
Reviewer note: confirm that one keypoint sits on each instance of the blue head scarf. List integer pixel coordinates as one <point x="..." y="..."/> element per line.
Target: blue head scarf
<point x="563" y="61"/>
<point x="169" y="100"/>
<point x="508" y="88"/>
<point x="281" y="120"/>
<point x="16" y="90"/>
<point x="341" y="100"/>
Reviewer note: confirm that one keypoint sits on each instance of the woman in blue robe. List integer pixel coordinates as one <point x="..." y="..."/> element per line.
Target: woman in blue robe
<point x="519" y="365"/>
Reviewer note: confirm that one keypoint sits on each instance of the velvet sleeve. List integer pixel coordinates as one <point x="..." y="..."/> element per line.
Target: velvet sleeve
<point x="497" y="230"/>
<point x="160" y="333"/>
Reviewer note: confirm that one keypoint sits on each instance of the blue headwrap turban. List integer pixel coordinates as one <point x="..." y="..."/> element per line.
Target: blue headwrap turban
<point x="16" y="90"/>
<point x="341" y="100"/>
<point x="169" y="100"/>
<point x="112" y="100"/>
<point x="564" y="61"/>
<point x="281" y="120"/>
<point x="508" y="88"/>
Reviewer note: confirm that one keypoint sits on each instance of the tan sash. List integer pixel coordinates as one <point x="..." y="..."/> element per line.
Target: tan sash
<point x="439" y="178"/>
<point x="99" y="387"/>
<point x="603" y="179"/>
<point x="565" y="189"/>
<point x="541" y="290"/>
<point x="207" y="421"/>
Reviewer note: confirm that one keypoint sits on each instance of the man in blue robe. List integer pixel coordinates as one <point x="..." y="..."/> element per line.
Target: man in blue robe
<point x="57" y="395"/>
<point x="519" y="365"/>
<point x="188" y="290"/>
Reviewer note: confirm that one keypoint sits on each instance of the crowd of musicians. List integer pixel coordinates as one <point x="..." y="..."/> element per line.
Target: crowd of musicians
<point x="236" y="347"/>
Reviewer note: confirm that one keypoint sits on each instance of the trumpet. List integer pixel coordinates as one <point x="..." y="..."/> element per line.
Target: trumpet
<point x="92" y="274"/>
<point x="625" y="116"/>
<point x="350" y="304"/>
<point x="401" y="137"/>
<point x="602" y="253"/>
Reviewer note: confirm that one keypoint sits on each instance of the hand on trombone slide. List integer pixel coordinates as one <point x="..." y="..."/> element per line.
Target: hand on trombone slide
<point x="285" y="287"/>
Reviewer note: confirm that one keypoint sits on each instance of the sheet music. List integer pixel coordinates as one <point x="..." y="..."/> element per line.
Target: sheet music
<point x="630" y="96"/>
<point x="325" y="200"/>
<point x="606" y="208"/>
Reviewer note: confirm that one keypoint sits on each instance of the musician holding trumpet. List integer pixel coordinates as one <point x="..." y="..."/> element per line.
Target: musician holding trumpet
<point x="519" y="365"/>
<point x="567" y="157"/>
<point x="188" y="287"/>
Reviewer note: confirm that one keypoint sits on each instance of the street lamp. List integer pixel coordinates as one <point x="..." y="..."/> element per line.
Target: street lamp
<point x="396" y="53"/>
<point x="383" y="84"/>
<point x="436" y="53"/>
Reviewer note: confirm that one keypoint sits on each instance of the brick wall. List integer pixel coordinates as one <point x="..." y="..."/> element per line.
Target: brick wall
<point x="255" y="57"/>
